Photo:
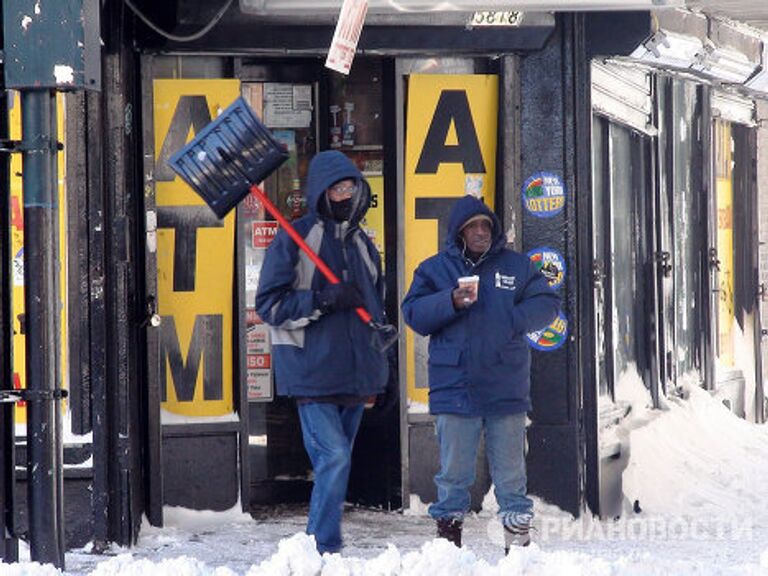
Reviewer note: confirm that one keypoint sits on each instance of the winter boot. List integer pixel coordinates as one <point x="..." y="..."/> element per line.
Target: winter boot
<point x="517" y="530"/>
<point x="450" y="529"/>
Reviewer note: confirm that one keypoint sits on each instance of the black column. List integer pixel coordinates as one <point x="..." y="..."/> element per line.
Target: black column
<point x="44" y="471"/>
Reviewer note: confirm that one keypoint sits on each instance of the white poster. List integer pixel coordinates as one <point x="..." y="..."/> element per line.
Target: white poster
<point x="287" y="105"/>
<point x="346" y="35"/>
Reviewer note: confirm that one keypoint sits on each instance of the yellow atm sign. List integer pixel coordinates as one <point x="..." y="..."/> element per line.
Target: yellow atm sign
<point x="450" y="141"/>
<point x="195" y="259"/>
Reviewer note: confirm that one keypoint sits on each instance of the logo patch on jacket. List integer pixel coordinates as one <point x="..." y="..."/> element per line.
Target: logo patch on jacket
<point x="505" y="282"/>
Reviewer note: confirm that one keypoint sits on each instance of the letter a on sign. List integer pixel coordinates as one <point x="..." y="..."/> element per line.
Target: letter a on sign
<point x="452" y="110"/>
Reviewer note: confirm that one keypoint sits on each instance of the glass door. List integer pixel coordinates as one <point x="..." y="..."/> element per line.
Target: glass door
<point x="274" y="466"/>
<point x="308" y="109"/>
<point x="623" y="264"/>
<point x="623" y="284"/>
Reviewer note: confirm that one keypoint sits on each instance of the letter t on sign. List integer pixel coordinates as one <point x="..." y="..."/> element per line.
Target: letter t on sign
<point x="436" y="209"/>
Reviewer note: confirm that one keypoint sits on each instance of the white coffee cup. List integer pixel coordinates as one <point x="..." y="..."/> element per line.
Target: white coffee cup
<point x="471" y="282"/>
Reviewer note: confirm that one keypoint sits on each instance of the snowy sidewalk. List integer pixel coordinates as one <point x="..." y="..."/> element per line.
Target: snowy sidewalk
<point x="387" y="543"/>
<point x="700" y="476"/>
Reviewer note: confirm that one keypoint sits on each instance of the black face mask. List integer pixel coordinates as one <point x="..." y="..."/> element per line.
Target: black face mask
<point x="341" y="210"/>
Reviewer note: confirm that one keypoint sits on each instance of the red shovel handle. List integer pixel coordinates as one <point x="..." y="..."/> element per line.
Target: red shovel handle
<point x="296" y="237"/>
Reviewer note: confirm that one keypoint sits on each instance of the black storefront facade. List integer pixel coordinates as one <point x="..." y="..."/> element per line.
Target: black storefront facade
<point x="633" y="179"/>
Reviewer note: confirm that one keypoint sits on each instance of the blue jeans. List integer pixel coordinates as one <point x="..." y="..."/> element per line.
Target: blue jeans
<point x="329" y="433"/>
<point x="459" y="437"/>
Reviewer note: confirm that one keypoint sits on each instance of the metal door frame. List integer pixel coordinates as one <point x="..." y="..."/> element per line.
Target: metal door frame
<point x="153" y="460"/>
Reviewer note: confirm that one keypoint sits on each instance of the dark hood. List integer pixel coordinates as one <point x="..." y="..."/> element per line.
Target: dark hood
<point x="327" y="168"/>
<point x="463" y="210"/>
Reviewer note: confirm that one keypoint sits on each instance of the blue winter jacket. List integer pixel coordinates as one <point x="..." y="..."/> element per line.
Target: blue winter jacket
<point x="479" y="361"/>
<point x="317" y="354"/>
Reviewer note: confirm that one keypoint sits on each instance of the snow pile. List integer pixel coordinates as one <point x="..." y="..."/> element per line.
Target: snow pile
<point x="296" y="556"/>
<point x="28" y="569"/>
<point x="125" y="565"/>
<point x="698" y="459"/>
<point x="440" y="557"/>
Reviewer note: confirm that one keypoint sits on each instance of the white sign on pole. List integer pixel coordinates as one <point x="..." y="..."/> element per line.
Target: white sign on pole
<point x="346" y="35"/>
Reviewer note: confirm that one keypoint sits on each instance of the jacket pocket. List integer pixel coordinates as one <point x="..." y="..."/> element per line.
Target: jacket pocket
<point x="445" y="369"/>
<point x="507" y="381"/>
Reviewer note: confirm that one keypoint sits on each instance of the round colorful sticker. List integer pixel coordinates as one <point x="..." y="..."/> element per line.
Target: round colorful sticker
<point x="551" y="337"/>
<point x="544" y="194"/>
<point x="550" y="263"/>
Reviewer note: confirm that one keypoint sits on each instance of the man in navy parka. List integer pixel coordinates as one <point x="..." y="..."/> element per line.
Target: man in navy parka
<point x="479" y="363"/>
<point x="322" y="352"/>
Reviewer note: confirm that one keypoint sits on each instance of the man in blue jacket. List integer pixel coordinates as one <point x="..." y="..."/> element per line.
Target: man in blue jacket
<point x="322" y="352"/>
<point x="479" y="363"/>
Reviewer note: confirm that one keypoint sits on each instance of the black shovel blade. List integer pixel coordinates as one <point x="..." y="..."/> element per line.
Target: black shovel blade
<point x="227" y="156"/>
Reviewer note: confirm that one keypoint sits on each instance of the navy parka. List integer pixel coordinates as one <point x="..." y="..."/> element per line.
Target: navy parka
<point x="314" y="353"/>
<point x="479" y="360"/>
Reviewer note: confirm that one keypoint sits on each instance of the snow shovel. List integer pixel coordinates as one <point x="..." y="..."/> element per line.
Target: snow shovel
<point x="224" y="162"/>
<point x="227" y="155"/>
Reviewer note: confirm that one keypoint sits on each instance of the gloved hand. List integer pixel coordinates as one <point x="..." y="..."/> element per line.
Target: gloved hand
<point x="339" y="297"/>
<point x="390" y="398"/>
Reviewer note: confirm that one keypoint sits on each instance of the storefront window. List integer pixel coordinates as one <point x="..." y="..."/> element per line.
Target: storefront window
<point x="355" y="127"/>
<point x="724" y="200"/>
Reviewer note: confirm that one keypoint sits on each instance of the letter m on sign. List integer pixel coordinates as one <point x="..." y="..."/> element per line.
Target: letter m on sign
<point x="205" y="345"/>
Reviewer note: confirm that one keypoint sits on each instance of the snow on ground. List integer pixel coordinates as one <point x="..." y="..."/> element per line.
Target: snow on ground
<point x="698" y="473"/>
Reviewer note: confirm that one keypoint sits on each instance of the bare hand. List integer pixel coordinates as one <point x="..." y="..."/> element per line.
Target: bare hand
<point x="463" y="297"/>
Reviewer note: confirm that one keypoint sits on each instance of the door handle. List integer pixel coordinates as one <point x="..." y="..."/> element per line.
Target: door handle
<point x="665" y="265"/>
<point x="714" y="261"/>
<point x="151" y="317"/>
<point x="597" y="272"/>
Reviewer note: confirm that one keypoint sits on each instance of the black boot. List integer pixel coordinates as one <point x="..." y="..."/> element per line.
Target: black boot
<point x="450" y="529"/>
